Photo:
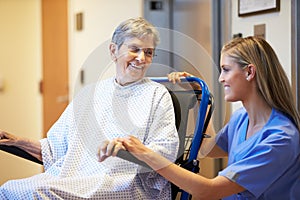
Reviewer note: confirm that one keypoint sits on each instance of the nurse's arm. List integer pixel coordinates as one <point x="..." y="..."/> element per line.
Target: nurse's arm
<point x="197" y="185"/>
<point x="209" y="148"/>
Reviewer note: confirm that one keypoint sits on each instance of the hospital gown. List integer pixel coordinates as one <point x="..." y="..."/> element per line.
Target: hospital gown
<point x="267" y="164"/>
<point x="103" y="111"/>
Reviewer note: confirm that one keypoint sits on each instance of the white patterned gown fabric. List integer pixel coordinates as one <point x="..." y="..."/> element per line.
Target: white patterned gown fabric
<point x="103" y="111"/>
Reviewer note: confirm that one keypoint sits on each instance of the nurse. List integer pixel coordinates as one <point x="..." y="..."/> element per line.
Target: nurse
<point x="261" y="139"/>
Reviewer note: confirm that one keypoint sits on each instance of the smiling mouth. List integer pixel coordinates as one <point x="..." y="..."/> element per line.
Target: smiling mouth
<point x="135" y="66"/>
<point x="226" y="87"/>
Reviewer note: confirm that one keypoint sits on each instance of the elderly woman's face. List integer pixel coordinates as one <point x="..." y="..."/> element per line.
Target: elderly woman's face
<point x="133" y="59"/>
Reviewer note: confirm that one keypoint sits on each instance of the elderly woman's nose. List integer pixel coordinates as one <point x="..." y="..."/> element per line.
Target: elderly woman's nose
<point x="141" y="56"/>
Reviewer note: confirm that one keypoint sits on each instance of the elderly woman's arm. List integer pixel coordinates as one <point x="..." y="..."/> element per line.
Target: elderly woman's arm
<point x="30" y="146"/>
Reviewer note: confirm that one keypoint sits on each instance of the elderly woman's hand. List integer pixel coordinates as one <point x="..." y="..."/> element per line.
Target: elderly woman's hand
<point x="8" y="139"/>
<point x="175" y="76"/>
<point x="109" y="148"/>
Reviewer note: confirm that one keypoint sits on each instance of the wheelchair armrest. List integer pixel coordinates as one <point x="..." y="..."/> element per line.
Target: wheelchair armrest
<point x="190" y="165"/>
<point x="126" y="155"/>
<point x="19" y="152"/>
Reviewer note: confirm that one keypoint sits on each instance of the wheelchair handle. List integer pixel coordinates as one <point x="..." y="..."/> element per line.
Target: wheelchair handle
<point x="126" y="155"/>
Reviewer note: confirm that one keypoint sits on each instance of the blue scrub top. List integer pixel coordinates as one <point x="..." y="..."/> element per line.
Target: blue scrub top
<point x="267" y="164"/>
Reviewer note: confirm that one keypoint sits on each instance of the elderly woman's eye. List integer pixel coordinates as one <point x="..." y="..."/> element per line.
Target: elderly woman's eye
<point x="134" y="49"/>
<point x="149" y="52"/>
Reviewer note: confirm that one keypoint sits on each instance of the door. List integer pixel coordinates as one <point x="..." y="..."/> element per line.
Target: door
<point x="296" y="50"/>
<point x="191" y="44"/>
<point x="54" y="85"/>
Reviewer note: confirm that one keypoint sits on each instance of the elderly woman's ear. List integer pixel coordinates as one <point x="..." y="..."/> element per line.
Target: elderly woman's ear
<point x="113" y="51"/>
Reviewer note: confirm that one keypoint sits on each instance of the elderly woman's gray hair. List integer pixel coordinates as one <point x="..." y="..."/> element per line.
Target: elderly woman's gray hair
<point x="134" y="28"/>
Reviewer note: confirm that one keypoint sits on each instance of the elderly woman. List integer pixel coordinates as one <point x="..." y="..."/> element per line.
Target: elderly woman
<point x="261" y="139"/>
<point x="126" y="104"/>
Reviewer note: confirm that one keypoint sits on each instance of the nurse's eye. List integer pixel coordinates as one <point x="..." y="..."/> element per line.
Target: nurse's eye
<point x="224" y="69"/>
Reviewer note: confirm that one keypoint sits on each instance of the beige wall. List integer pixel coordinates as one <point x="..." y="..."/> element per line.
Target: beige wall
<point x="100" y="18"/>
<point x="20" y="70"/>
<point x="278" y="31"/>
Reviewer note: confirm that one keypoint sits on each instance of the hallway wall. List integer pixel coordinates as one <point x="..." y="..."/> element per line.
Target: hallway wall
<point x="20" y="71"/>
<point x="278" y="32"/>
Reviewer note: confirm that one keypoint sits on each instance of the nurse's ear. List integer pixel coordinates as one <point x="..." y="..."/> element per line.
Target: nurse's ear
<point x="250" y="72"/>
<point x="113" y="49"/>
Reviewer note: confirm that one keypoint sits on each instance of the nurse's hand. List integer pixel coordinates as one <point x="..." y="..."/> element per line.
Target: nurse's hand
<point x="141" y="152"/>
<point x="175" y="76"/>
<point x="136" y="147"/>
<point x="109" y="148"/>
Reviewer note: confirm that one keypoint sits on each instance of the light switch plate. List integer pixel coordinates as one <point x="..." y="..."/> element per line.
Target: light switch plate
<point x="260" y="30"/>
<point x="79" y="21"/>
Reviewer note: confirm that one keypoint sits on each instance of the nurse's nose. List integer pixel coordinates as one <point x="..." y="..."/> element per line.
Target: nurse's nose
<point x="221" y="79"/>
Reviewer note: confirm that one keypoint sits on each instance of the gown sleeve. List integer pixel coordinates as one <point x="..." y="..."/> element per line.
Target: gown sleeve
<point x="259" y="161"/>
<point x="55" y="145"/>
<point x="162" y="138"/>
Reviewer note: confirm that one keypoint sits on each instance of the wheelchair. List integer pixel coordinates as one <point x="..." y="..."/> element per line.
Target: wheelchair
<point x="184" y="98"/>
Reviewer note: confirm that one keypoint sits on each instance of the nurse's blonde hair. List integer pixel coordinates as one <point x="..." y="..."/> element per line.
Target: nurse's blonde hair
<point x="271" y="79"/>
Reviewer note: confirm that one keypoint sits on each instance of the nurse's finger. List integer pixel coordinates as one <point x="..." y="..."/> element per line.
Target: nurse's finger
<point x="173" y="77"/>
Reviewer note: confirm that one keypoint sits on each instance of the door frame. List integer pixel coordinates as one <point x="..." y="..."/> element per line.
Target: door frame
<point x="295" y="6"/>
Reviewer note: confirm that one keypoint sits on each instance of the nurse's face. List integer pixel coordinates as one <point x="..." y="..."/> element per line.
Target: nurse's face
<point x="132" y="59"/>
<point x="233" y="79"/>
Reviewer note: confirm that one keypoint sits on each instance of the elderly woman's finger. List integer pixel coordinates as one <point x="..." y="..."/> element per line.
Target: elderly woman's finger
<point x="102" y="151"/>
<point x="110" y="148"/>
<point x="117" y="147"/>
